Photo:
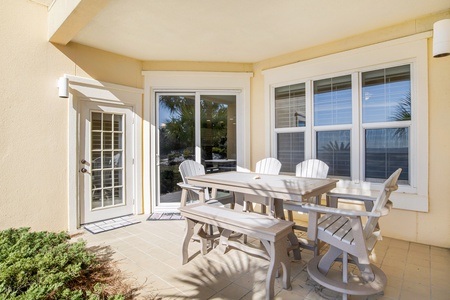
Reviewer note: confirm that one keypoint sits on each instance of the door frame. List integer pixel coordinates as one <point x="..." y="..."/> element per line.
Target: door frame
<point x="86" y="89"/>
<point x="181" y="81"/>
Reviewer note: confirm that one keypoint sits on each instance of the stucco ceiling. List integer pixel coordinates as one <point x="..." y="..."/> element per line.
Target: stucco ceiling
<point x="239" y="30"/>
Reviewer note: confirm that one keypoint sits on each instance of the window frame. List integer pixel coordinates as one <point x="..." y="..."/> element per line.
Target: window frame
<point x="411" y="50"/>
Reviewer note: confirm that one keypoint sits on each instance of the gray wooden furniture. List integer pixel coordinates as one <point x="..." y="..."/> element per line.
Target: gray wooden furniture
<point x="272" y="233"/>
<point x="194" y="194"/>
<point x="192" y="168"/>
<point x="366" y="196"/>
<point x="274" y="187"/>
<point x="311" y="168"/>
<point x="270" y="166"/>
<point x="344" y="231"/>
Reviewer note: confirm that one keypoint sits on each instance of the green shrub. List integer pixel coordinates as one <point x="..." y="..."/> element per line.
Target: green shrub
<point x="44" y="265"/>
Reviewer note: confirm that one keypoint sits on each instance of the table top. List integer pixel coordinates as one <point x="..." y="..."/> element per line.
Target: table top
<point x="275" y="186"/>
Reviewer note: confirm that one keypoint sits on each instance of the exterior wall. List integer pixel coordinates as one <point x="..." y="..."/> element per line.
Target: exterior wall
<point x="33" y="120"/>
<point x="428" y="228"/>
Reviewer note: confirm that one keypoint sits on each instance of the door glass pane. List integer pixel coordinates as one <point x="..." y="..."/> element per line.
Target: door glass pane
<point x="333" y="101"/>
<point x="333" y="147"/>
<point x="176" y="136"/>
<point x="107" y="167"/>
<point x="290" y="150"/>
<point x="290" y="109"/>
<point x="386" y="151"/>
<point x="386" y="95"/>
<point x="218" y="132"/>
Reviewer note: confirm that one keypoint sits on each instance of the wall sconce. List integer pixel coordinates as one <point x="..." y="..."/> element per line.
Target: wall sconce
<point x="63" y="87"/>
<point x="441" y="38"/>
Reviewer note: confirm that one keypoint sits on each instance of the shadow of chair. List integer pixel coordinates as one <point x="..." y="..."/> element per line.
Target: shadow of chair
<point x="347" y="235"/>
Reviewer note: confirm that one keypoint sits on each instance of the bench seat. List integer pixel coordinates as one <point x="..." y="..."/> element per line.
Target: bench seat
<point x="272" y="232"/>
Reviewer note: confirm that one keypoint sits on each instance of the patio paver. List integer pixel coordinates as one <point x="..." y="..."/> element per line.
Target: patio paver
<point x="150" y="254"/>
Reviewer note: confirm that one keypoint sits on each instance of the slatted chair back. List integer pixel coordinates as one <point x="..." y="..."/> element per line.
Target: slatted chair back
<point x="312" y="168"/>
<point x="192" y="168"/>
<point x="270" y="165"/>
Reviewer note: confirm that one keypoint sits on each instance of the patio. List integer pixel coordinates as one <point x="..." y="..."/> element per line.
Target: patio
<point x="150" y="254"/>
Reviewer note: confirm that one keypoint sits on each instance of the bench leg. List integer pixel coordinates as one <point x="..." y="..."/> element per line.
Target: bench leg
<point x="278" y="255"/>
<point x="189" y="232"/>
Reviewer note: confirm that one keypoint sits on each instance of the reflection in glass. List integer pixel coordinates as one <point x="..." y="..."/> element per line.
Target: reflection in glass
<point x="118" y="140"/>
<point x="96" y="140"/>
<point x="96" y="121"/>
<point x="107" y="178"/>
<point x="176" y="134"/>
<point x="106" y="165"/>
<point x="333" y="147"/>
<point x="333" y="101"/>
<point x="386" y="95"/>
<point x="290" y="109"/>
<point x="107" y="122"/>
<point x="107" y="197"/>
<point x="386" y="151"/>
<point x="218" y="132"/>
<point x="291" y="150"/>
<point x="107" y="159"/>
<point x="118" y="177"/>
<point x="107" y="140"/>
<point x="118" y="196"/>
<point x="118" y="122"/>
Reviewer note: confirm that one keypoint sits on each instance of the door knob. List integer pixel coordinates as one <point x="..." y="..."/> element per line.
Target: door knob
<point x="83" y="161"/>
<point x="83" y="170"/>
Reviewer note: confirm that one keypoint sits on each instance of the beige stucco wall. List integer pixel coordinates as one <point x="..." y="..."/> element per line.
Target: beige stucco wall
<point x="33" y="120"/>
<point x="428" y="228"/>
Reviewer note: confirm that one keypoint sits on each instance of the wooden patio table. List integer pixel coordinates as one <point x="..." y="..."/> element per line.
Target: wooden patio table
<point x="275" y="187"/>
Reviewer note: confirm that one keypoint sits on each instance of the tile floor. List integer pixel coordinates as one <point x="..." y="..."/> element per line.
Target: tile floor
<point x="149" y="254"/>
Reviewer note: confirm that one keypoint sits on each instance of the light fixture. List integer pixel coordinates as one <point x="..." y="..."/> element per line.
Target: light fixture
<point x="441" y="38"/>
<point x="63" y="87"/>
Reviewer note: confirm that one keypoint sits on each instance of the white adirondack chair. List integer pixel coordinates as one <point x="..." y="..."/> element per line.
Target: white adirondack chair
<point x="192" y="168"/>
<point x="192" y="193"/>
<point x="345" y="232"/>
<point x="270" y="166"/>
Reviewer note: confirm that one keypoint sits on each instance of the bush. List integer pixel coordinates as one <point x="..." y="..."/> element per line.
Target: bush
<point x="44" y="265"/>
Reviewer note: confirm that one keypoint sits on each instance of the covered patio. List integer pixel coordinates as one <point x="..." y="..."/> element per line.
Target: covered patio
<point x="149" y="254"/>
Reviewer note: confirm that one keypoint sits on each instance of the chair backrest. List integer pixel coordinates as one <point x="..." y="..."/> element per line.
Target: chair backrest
<point x="270" y="165"/>
<point x="381" y="202"/>
<point x="312" y="168"/>
<point x="192" y="168"/>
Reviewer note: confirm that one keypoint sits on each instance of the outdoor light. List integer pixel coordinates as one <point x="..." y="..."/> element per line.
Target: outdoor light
<point x="63" y="87"/>
<point x="441" y="38"/>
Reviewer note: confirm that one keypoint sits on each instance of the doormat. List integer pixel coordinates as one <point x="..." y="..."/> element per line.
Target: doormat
<point x="165" y="217"/>
<point x="111" y="224"/>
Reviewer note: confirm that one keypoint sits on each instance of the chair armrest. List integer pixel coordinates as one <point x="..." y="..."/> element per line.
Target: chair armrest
<point x="339" y="211"/>
<point x="190" y="187"/>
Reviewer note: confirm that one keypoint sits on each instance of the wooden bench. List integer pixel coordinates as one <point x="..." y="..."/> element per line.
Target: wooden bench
<point x="272" y="232"/>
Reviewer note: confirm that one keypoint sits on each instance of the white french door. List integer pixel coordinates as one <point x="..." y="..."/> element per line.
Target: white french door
<point x="106" y="161"/>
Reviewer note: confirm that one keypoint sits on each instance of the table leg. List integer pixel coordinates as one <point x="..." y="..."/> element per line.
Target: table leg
<point x="293" y="240"/>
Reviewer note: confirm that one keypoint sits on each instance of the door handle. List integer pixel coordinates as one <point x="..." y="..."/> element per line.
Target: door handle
<point x="84" y="170"/>
<point x="83" y="161"/>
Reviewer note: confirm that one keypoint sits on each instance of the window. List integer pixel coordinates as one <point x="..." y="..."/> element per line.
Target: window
<point x="364" y="112"/>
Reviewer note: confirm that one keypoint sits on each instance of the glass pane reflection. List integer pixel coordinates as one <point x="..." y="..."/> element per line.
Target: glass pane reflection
<point x="333" y="147"/>
<point x="386" y="151"/>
